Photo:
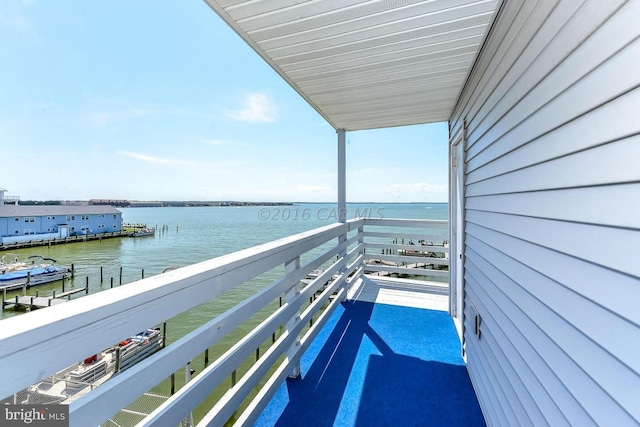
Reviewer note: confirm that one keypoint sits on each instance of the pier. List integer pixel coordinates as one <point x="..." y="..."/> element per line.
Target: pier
<point x="32" y="302"/>
<point x="57" y="241"/>
<point x="384" y="269"/>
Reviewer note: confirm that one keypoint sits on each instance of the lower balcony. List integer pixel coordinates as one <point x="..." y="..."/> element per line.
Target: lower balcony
<point x="332" y="338"/>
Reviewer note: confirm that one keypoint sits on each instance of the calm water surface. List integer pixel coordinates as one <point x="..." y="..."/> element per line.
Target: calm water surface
<point x="193" y="234"/>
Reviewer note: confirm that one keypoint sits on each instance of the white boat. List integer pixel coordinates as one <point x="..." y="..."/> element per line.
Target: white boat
<point x="79" y="379"/>
<point x="138" y="230"/>
<point x="34" y="270"/>
<point x="143" y="232"/>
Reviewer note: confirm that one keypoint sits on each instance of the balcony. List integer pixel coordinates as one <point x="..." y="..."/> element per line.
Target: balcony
<point x="368" y="346"/>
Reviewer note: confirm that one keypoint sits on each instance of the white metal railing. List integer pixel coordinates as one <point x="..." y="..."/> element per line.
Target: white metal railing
<point x="421" y="248"/>
<point x="41" y="343"/>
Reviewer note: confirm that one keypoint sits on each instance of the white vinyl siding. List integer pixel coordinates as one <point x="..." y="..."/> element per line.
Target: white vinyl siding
<point x="552" y="214"/>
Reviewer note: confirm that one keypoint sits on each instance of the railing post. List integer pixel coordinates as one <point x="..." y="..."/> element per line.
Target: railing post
<point x="290" y="295"/>
<point x="361" y="244"/>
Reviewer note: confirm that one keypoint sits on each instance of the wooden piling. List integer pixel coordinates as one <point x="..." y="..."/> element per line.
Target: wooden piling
<point x="112" y="283"/>
<point x="233" y="378"/>
<point x="173" y="384"/>
<point x="143" y="273"/>
<point x="117" y="367"/>
<point x="73" y="271"/>
<point x="101" y="275"/>
<point x="206" y="357"/>
<point x="164" y="334"/>
<point x="121" y="275"/>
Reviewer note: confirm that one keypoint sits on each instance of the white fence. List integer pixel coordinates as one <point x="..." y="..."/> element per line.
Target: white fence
<point x="407" y="247"/>
<point x="41" y="343"/>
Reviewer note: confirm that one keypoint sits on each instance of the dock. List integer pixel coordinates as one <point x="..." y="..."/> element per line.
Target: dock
<point x="32" y="302"/>
<point x="369" y="269"/>
<point x="58" y="241"/>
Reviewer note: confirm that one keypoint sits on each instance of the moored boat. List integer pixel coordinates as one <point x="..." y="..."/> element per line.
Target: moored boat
<point x="77" y="380"/>
<point x="138" y="230"/>
<point x="34" y="270"/>
<point x="143" y="232"/>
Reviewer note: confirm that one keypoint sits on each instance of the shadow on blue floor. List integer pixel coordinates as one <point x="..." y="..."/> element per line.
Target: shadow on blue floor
<point x="379" y="365"/>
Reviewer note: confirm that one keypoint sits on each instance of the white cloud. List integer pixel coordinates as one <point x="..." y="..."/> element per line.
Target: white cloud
<point x="156" y="160"/>
<point x="257" y="108"/>
<point x="100" y="120"/>
<point x="13" y="18"/>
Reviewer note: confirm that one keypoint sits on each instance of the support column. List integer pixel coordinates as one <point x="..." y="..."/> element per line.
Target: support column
<point x="342" y="192"/>
<point x="342" y="179"/>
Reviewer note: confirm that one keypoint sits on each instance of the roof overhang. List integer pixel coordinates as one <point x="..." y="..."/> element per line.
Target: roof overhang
<point x="367" y="64"/>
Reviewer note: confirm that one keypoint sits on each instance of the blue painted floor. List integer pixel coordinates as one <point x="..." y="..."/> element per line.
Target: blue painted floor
<point x="379" y="365"/>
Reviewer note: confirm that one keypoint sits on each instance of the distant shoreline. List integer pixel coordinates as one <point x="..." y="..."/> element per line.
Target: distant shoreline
<point x="193" y="203"/>
<point x="373" y="203"/>
<point x="148" y="203"/>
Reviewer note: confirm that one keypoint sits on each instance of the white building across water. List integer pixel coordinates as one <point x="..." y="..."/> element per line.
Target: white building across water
<point x="22" y="223"/>
<point x="541" y="98"/>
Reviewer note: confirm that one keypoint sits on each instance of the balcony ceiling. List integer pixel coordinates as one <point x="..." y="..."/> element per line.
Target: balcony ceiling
<point x="367" y="64"/>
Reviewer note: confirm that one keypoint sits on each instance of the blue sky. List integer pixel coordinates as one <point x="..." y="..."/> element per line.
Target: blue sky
<point x="161" y="100"/>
